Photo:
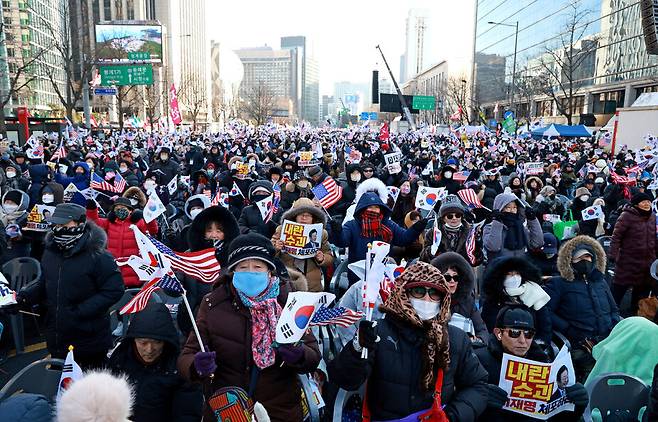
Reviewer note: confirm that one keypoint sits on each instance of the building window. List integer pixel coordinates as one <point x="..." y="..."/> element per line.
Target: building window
<point x="577" y="105"/>
<point x="645" y="89"/>
<point x="608" y="102"/>
<point x="107" y="10"/>
<point x="544" y="108"/>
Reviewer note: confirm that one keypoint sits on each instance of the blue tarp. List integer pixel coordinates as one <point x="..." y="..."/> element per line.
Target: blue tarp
<point x="579" y="131"/>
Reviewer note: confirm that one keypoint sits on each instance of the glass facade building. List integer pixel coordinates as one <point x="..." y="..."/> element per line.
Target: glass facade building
<point x="613" y="67"/>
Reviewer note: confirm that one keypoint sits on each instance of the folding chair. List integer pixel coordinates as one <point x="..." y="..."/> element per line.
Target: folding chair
<point x="617" y="391"/>
<point x="341" y="400"/>
<point x="314" y="411"/>
<point x="20" y="273"/>
<point x="40" y="377"/>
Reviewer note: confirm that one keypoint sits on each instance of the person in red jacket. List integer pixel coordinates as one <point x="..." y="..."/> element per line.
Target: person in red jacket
<point x="120" y="238"/>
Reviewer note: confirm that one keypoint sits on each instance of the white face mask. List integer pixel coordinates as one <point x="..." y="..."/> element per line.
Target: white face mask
<point x="448" y="174"/>
<point x="133" y="202"/>
<point x="356" y="178"/>
<point x="425" y="309"/>
<point x="10" y="208"/>
<point x="512" y="281"/>
<point x="11" y="174"/>
<point x="195" y="212"/>
<point x="47" y="198"/>
<point x="584" y="198"/>
<point x="123" y="169"/>
<point x="149" y="185"/>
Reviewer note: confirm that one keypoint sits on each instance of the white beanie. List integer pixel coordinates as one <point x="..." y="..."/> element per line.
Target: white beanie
<point x="97" y="397"/>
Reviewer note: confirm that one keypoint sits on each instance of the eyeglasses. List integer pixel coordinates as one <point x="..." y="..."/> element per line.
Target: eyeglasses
<point x="453" y="216"/>
<point x="450" y="278"/>
<point x="515" y="333"/>
<point x="419" y="292"/>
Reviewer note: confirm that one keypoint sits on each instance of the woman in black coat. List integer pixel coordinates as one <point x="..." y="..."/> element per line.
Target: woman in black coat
<point x="147" y="355"/>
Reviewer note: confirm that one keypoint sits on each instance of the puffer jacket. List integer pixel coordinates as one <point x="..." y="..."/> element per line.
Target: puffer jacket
<point x="26" y="407"/>
<point x="393" y="373"/>
<point x="161" y="394"/>
<point x="121" y="241"/>
<point x="634" y="248"/>
<point x="39" y="176"/>
<point x="225" y="326"/>
<point x="81" y="181"/>
<point x="310" y="268"/>
<point x="582" y="308"/>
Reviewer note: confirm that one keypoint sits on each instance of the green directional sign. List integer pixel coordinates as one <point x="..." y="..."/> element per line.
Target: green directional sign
<point x="141" y="74"/>
<point x="423" y="102"/>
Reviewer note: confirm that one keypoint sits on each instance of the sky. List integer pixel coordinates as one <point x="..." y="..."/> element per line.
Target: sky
<point x="343" y="33"/>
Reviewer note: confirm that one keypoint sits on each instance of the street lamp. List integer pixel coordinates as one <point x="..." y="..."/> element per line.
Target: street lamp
<point x="516" y="39"/>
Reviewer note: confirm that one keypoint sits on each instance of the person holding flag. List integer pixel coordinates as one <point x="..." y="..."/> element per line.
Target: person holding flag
<point x="237" y="323"/>
<point x="80" y="179"/>
<point x="78" y="299"/>
<point x="251" y="219"/>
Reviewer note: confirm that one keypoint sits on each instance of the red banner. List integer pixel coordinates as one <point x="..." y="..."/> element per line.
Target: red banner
<point x="173" y="106"/>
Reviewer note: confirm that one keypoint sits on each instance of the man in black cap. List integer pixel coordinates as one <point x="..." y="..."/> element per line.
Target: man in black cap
<point x="80" y="282"/>
<point x="513" y="334"/>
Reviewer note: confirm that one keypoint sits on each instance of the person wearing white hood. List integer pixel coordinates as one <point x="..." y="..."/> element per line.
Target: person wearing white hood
<point x="13" y="215"/>
<point x="177" y="235"/>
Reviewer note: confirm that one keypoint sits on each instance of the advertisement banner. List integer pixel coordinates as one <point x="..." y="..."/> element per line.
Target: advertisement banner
<point x="537" y="389"/>
<point x="301" y="240"/>
<point x="176" y="117"/>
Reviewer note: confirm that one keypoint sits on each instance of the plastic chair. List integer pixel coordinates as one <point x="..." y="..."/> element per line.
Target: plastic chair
<point x="341" y="399"/>
<point x="40" y="377"/>
<point x="335" y="284"/>
<point x="617" y="391"/>
<point x="20" y="273"/>
<point x="313" y="409"/>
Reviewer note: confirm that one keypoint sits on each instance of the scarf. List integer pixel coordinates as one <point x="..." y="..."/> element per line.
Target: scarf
<point x="372" y="227"/>
<point x="66" y="237"/>
<point x="265" y="311"/>
<point x="435" y="348"/>
<point x="516" y="237"/>
<point x="10" y="217"/>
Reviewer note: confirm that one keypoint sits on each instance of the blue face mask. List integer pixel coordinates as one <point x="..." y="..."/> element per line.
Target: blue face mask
<point x="250" y="283"/>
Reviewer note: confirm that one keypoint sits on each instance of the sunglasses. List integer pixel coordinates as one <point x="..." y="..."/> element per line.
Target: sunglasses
<point x="419" y="292"/>
<point x="515" y="333"/>
<point x="453" y="216"/>
<point x="450" y="278"/>
<point x="367" y="170"/>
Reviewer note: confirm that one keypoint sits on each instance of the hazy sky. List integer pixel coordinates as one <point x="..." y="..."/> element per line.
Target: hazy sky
<point x="344" y="32"/>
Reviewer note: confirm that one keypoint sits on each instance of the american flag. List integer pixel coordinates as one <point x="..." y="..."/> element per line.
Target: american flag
<point x="471" y="239"/>
<point x="470" y="198"/>
<point x="201" y="265"/>
<point x="119" y="183"/>
<point x="167" y="282"/>
<point x="328" y="192"/>
<point x="276" y="191"/>
<point x="98" y="183"/>
<point x="60" y="152"/>
<point x="622" y="180"/>
<point x="338" y="316"/>
<point x="207" y="193"/>
<point x="461" y="176"/>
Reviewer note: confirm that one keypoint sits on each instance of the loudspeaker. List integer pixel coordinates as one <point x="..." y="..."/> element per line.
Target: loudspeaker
<point x="649" y="10"/>
<point x="375" y="86"/>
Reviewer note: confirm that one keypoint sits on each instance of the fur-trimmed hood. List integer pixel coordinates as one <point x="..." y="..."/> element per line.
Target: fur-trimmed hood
<point x="567" y="250"/>
<point x="494" y="276"/>
<point x="136" y="193"/>
<point x="303" y="205"/>
<point x="203" y="198"/>
<point x="297" y="280"/>
<point x="540" y="183"/>
<point x="98" y="396"/>
<point x="372" y="185"/>
<point x="453" y="259"/>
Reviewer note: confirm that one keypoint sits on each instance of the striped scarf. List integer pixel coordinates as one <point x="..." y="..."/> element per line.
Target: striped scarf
<point x="372" y="227"/>
<point x="66" y="237"/>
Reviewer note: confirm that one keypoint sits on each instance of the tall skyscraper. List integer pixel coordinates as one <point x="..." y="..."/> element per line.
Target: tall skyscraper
<point x="305" y="78"/>
<point x="416" y="50"/>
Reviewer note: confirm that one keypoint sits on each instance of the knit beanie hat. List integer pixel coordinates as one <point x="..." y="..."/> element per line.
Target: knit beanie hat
<point x="451" y="204"/>
<point x="251" y="246"/>
<point x="582" y="191"/>
<point x="639" y="197"/>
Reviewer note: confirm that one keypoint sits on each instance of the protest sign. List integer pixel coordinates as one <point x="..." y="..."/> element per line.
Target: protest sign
<point x="36" y="219"/>
<point x="70" y="190"/>
<point x="307" y="159"/>
<point x="533" y="169"/>
<point x="297" y="314"/>
<point x="301" y="241"/>
<point x="537" y="389"/>
<point x="242" y="171"/>
<point x="354" y="157"/>
<point x="393" y="162"/>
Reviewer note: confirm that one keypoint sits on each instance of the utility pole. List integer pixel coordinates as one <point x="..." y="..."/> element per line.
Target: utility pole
<point x="405" y="108"/>
<point x="83" y="76"/>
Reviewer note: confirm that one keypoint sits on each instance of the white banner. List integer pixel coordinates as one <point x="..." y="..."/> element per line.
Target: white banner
<point x="301" y="240"/>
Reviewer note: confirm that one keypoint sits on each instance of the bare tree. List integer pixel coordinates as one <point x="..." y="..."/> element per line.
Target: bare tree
<point x="564" y="67"/>
<point x="125" y="101"/>
<point x="193" y="97"/>
<point x="528" y="87"/>
<point x="152" y="100"/>
<point x="457" y="96"/>
<point x="258" y="103"/>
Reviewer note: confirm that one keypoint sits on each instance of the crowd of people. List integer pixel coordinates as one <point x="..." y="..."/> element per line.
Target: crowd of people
<point x="531" y="244"/>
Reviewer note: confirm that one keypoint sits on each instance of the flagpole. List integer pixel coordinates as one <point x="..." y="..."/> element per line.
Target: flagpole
<point x="364" y="352"/>
<point x="189" y="311"/>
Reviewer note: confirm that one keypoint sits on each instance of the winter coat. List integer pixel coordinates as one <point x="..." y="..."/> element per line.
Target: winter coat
<point x="463" y="300"/>
<point x="225" y="326"/>
<point x="393" y="372"/>
<point x="194" y="160"/>
<point x="81" y="181"/>
<point x="20" y="246"/>
<point x="582" y="308"/>
<point x="633" y="248"/>
<point x="39" y="176"/>
<point x="251" y="221"/>
<point x="446" y="245"/>
<point x="177" y="231"/>
<point x="547" y="266"/>
<point x="494" y="233"/>
<point x="78" y="287"/>
<point x="310" y="268"/>
<point x="494" y="297"/>
<point x="161" y="394"/>
<point x="121" y="241"/>
<point x="350" y="235"/>
<point x="135" y="192"/>
<point x="652" y="407"/>
<point x="491" y="358"/>
<point x="26" y="407"/>
<point x="130" y="177"/>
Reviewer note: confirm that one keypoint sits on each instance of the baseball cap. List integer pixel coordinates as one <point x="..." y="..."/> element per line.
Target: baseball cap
<point x="65" y="213"/>
<point x="515" y="317"/>
<point x="550" y="243"/>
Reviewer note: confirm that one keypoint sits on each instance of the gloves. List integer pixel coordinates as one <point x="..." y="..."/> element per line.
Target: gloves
<point x="420" y="225"/>
<point x="336" y="227"/>
<point x="368" y="337"/>
<point x="13" y="231"/>
<point x="91" y="204"/>
<point x="204" y="363"/>
<point x="577" y="395"/>
<point x="530" y="214"/>
<point x="495" y="215"/>
<point x="136" y="215"/>
<point x="496" y="396"/>
<point x="290" y="353"/>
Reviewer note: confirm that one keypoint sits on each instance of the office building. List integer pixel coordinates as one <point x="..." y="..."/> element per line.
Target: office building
<point x="611" y="65"/>
<point x="416" y="50"/>
<point x="305" y="78"/>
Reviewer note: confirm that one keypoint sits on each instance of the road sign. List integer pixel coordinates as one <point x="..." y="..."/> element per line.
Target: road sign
<point x="105" y="91"/>
<point x="508" y="113"/>
<point x="139" y="55"/>
<point x="423" y="102"/>
<point x="364" y="116"/>
<point x="141" y="74"/>
<point x="373" y="115"/>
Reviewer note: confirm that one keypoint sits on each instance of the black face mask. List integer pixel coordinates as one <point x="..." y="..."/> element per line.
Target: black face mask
<point x="583" y="268"/>
<point x="256" y="198"/>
